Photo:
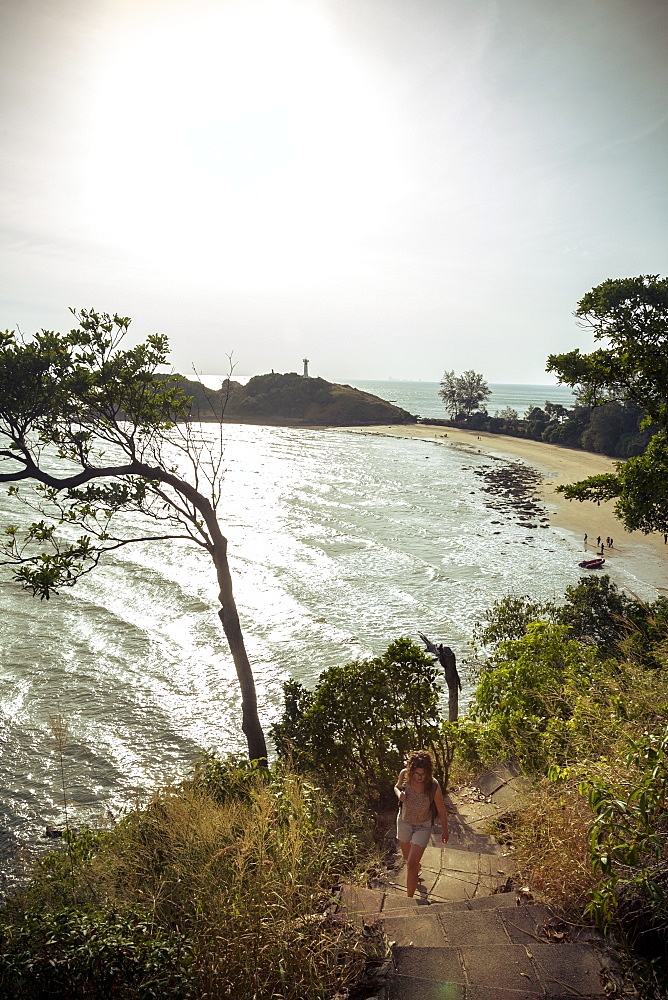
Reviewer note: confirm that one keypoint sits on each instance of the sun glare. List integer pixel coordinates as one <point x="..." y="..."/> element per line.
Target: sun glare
<point x="246" y="140"/>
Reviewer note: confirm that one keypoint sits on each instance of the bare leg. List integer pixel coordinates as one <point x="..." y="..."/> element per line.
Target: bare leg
<point x="405" y="846"/>
<point x="413" y="860"/>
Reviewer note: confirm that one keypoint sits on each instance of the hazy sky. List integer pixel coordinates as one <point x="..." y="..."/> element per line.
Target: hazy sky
<point x="388" y="187"/>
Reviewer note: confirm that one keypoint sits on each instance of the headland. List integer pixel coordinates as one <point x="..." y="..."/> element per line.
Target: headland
<point x="290" y="400"/>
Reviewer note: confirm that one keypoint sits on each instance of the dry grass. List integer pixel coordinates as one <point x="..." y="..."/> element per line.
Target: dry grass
<point x="249" y="880"/>
<point x="549" y="845"/>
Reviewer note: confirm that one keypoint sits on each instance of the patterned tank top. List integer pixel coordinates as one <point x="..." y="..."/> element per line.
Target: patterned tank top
<point x="416" y="809"/>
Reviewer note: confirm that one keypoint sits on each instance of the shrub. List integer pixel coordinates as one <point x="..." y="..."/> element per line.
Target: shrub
<point x="627" y="842"/>
<point x="509" y="618"/>
<point x="598" y="613"/>
<point x="528" y="692"/>
<point x="228" y="778"/>
<point x="73" y="953"/>
<point x="595" y="610"/>
<point x="362" y="719"/>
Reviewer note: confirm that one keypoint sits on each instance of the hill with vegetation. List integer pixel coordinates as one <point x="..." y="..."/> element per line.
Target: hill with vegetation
<point x="291" y="400"/>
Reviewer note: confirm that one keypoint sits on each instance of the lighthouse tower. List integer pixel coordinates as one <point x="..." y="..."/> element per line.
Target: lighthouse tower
<point x="305" y="367"/>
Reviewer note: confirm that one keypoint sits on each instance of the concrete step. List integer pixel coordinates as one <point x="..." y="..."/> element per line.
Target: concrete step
<point x="368" y="904"/>
<point x="456" y="875"/>
<point x="448" y="875"/>
<point x="445" y="926"/>
<point x="497" y="972"/>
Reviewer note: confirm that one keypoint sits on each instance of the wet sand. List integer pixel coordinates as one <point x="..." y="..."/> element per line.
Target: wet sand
<point x="646" y="556"/>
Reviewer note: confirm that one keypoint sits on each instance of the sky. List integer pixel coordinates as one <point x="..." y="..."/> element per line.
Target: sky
<point x="391" y="188"/>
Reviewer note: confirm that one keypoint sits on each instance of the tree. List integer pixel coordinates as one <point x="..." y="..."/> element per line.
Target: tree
<point x="631" y="314"/>
<point x="449" y="393"/>
<point x="463" y="393"/>
<point x="555" y="411"/>
<point x="608" y="423"/>
<point x="509" y="416"/>
<point x="473" y="391"/>
<point x="363" y="718"/>
<point x="94" y="427"/>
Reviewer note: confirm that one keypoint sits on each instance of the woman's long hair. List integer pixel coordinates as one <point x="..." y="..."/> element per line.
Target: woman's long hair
<point x="420" y="759"/>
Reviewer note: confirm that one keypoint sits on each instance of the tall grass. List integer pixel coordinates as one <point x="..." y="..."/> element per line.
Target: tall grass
<point x="549" y="845"/>
<point x="243" y="873"/>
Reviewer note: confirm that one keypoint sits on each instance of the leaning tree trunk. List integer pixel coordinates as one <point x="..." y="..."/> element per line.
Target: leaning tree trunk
<point x="229" y="617"/>
<point x="216" y="545"/>
<point x="447" y="659"/>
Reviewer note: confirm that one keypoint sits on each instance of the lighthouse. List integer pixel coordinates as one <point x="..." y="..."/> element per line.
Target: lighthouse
<point x="305" y="360"/>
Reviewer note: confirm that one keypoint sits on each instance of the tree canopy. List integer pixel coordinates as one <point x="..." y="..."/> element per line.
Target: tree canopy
<point x="90" y="429"/>
<point x="631" y="316"/>
<point x="363" y="718"/>
<point x="462" y="394"/>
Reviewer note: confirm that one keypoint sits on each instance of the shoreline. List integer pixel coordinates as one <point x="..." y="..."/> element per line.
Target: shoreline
<point x="643" y="557"/>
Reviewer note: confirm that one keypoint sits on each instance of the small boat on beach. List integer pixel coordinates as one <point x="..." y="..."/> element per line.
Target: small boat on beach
<point x="591" y="563"/>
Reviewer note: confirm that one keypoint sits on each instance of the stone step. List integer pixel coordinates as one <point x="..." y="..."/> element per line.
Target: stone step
<point x="462" y="838"/>
<point x="497" y="972"/>
<point x="368" y="904"/>
<point x="413" y="988"/>
<point x="444" y="926"/>
<point x="448" y="875"/>
<point x="453" y="857"/>
<point x="468" y="836"/>
<point x="502" y="901"/>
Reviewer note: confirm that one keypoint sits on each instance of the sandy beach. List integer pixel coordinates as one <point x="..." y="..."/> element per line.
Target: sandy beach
<point x="645" y="555"/>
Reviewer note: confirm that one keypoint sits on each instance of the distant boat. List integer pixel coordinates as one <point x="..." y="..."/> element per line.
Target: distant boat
<point x="591" y="563"/>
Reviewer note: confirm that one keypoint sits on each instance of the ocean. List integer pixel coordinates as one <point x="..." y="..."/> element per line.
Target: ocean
<point x="339" y="543"/>
<point x="422" y="399"/>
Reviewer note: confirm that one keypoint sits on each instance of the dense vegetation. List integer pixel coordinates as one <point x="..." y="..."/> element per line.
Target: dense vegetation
<point x="612" y="427"/>
<point x="220" y="887"/>
<point x="576" y="692"/>
<point x="579" y="694"/>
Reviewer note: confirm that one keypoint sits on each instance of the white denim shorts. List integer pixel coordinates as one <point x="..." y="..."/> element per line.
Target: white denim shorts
<point x="408" y="833"/>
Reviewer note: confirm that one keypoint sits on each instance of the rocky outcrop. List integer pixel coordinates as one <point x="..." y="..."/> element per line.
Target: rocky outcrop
<point x="291" y="400"/>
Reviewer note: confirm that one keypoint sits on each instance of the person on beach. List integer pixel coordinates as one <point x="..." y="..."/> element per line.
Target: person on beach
<point x="585" y="540"/>
<point x="420" y="797"/>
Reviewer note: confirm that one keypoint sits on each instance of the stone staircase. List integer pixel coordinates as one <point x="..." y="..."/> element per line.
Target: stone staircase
<point x="466" y="935"/>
